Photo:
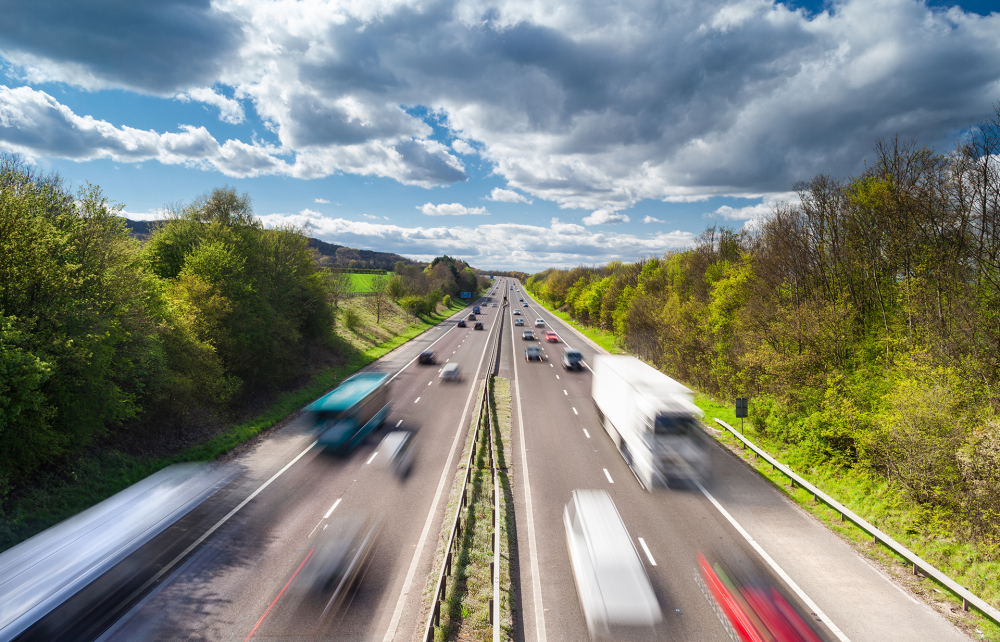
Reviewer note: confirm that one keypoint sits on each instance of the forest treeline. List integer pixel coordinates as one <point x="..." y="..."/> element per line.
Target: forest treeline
<point x="863" y="321"/>
<point x="101" y="333"/>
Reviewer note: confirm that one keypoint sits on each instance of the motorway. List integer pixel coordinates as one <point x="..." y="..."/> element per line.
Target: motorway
<point x="228" y="570"/>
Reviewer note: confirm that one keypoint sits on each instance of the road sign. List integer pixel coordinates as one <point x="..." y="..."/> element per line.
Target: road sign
<point x="466" y="295"/>
<point x="741" y="407"/>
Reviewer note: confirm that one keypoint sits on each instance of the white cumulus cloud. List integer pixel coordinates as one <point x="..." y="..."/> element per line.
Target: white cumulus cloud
<point x="321" y="200"/>
<point x="230" y="111"/>
<point x="507" y="196"/>
<point x="451" y="209"/>
<point x="651" y="219"/>
<point x="605" y="217"/>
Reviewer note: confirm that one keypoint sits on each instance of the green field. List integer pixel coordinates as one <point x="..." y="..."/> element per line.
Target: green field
<point x="363" y="282"/>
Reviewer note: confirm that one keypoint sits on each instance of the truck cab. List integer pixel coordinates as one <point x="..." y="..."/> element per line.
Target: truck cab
<point x="475" y="309"/>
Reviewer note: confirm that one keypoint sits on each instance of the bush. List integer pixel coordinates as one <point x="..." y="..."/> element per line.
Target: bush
<point x="351" y="319"/>
<point x="415" y="305"/>
<point x="446" y="301"/>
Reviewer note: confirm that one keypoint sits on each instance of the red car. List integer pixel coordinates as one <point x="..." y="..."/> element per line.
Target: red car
<point x="551" y="337"/>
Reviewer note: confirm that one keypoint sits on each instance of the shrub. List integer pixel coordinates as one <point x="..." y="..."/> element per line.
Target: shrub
<point x="415" y="305"/>
<point x="446" y="301"/>
<point x="351" y="319"/>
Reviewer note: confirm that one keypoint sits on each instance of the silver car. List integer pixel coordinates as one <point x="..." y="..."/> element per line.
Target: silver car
<point x="611" y="581"/>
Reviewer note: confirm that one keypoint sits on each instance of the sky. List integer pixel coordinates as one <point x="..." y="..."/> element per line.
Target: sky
<point x="512" y="134"/>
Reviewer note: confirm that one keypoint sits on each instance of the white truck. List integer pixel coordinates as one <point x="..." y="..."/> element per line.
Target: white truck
<point x="652" y="420"/>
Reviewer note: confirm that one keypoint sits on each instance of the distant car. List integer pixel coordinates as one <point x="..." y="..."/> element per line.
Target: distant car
<point x="611" y="581"/>
<point x="521" y="300"/>
<point x="517" y="312"/>
<point x="478" y="325"/>
<point x="532" y="352"/>
<point x="427" y="356"/>
<point x="572" y="359"/>
<point x="551" y="337"/>
<point x="494" y="305"/>
<point x="524" y="305"/>
<point x="472" y="317"/>
<point x="449" y="372"/>
<point x="539" y="323"/>
<point x="518" y="321"/>
<point x="528" y="335"/>
<point x="461" y="323"/>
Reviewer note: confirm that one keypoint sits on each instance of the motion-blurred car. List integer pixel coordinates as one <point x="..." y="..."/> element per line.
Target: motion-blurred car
<point x="528" y="335"/>
<point x="551" y="337"/>
<point x="517" y="312"/>
<point x="524" y="305"/>
<point x="494" y="305"/>
<point x="340" y="557"/>
<point x="539" y="323"/>
<point x="461" y="323"/>
<point x="478" y="325"/>
<point x="399" y="448"/>
<point x="521" y="300"/>
<point x="610" y="579"/>
<point x="449" y="372"/>
<point x="426" y="357"/>
<point x="518" y="321"/>
<point x="472" y="317"/>
<point x="532" y="352"/>
<point x="572" y="359"/>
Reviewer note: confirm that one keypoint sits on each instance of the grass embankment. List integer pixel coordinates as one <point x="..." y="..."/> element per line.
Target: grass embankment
<point x="363" y="282"/>
<point x="100" y="474"/>
<point x="465" y="610"/>
<point x="922" y="530"/>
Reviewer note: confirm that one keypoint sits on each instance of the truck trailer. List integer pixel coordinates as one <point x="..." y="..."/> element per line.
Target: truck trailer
<point x="652" y="420"/>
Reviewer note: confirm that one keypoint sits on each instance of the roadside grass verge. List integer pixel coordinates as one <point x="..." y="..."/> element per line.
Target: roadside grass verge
<point x="923" y="531"/>
<point x="100" y="474"/>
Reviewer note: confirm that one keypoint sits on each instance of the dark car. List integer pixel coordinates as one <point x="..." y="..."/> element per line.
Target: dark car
<point x="427" y="356"/>
<point x="478" y="325"/>
<point x="532" y="352"/>
<point x="572" y="359"/>
<point x="461" y="323"/>
<point x="528" y="335"/>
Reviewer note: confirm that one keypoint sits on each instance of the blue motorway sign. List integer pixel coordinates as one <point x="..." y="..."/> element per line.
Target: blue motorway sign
<point x="466" y="295"/>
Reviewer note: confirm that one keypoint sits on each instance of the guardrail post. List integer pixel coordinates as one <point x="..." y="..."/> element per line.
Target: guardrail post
<point x="447" y="564"/>
<point x="491" y="610"/>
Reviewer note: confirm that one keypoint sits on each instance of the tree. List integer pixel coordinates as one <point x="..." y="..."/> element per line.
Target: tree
<point x="379" y="299"/>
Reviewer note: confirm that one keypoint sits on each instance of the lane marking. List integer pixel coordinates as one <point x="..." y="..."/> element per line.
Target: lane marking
<point x="215" y="526"/>
<point x="565" y="393"/>
<point x="649" y="555"/>
<point x="536" y="581"/>
<point x="774" y="565"/>
<point x="416" y="400"/>
<point x="314" y="529"/>
<point x="431" y="344"/>
<point x="557" y="376"/>
<point x="330" y="512"/>
<point x="586" y="433"/>
<point x="608" y="475"/>
<point x="430" y="382"/>
<point x="398" y="423"/>
<point x="371" y="458"/>
<point x="254" y="630"/>
<point x="575" y="412"/>
<point x="446" y="474"/>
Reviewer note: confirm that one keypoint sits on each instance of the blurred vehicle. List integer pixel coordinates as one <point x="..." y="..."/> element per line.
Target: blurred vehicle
<point x="517" y="312"/>
<point x="427" y="356"/>
<point x="611" y="581"/>
<point x="478" y="325"/>
<point x="518" y="321"/>
<point x="494" y="305"/>
<point x="461" y="323"/>
<point x="528" y="335"/>
<point x="572" y="359"/>
<point x="522" y="300"/>
<point x="345" y="417"/>
<point x="340" y="557"/>
<point x="752" y="609"/>
<point x="539" y="323"/>
<point x="551" y="337"/>
<point x="449" y="372"/>
<point x="524" y="305"/>
<point x="472" y="317"/>
<point x="652" y="420"/>
<point x="399" y="448"/>
<point x="475" y="309"/>
<point x="532" y="352"/>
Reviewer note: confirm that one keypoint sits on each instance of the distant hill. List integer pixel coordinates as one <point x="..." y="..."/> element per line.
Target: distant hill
<point x="332" y="254"/>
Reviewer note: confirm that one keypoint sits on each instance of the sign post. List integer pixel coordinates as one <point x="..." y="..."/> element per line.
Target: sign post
<point x="741" y="410"/>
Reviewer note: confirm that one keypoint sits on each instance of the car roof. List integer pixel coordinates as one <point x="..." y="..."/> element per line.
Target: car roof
<point x="450" y="366"/>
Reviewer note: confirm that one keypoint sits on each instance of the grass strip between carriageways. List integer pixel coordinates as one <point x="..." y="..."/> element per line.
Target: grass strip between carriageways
<point x="100" y="475"/>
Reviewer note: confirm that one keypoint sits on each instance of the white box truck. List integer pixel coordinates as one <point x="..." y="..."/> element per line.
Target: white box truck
<point x="652" y="420"/>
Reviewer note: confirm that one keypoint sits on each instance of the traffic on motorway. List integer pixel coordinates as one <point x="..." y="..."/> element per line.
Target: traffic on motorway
<point x="626" y="526"/>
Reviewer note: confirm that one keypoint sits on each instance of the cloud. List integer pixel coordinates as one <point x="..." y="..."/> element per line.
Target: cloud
<point x="321" y="200"/>
<point x="587" y="105"/>
<point x="504" y="245"/>
<point x="651" y="219"/>
<point x="506" y="196"/>
<point x="756" y="211"/>
<point x="230" y="111"/>
<point x="451" y="209"/>
<point x="605" y="217"/>
<point x="153" y="215"/>
<point x="370" y="216"/>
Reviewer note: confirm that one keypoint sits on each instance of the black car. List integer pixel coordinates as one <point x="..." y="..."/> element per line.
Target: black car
<point x="461" y="323"/>
<point x="478" y="325"/>
<point x="427" y="356"/>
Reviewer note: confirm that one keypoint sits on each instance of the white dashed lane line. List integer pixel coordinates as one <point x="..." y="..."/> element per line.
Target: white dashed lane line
<point x="586" y="433"/>
<point x="416" y="400"/>
<point x="575" y="412"/>
<point x="608" y="475"/>
<point x="398" y="423"/>
<point x="649" y="555"/>
<point x="330" y="512"/>
<point x="565" y="393"/>
<point x="371" y="458"/>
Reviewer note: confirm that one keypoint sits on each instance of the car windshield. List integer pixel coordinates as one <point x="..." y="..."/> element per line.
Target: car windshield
<point x="573" y="356"/>
<point x="676" y="425"/>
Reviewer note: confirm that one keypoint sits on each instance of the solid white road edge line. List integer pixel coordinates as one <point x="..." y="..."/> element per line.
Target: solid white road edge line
<point x="401" y="602"/>
<point x="536" y="581"/>
<point x="330" y="512"/>
<point x="777" y="569"/>
<point x="649" y="555"/>
<point x="608" y="475"/>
